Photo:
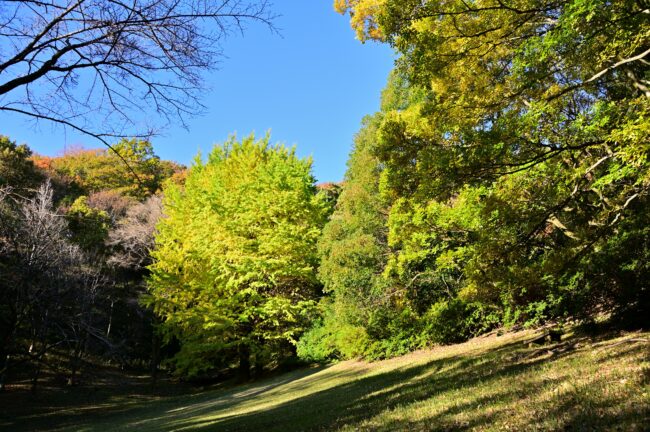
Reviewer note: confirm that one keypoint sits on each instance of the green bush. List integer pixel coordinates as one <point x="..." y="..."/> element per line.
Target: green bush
<point x="317" y="344"/>
<point x="393" y="333"/>
<point x="330" y="339"/>
<point x="453" y="321"/>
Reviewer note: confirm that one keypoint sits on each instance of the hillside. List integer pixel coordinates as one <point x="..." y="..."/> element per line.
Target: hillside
<point x="489" y="383"/>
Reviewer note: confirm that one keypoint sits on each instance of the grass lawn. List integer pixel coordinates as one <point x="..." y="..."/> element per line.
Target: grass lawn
<point x="489" y="383"/>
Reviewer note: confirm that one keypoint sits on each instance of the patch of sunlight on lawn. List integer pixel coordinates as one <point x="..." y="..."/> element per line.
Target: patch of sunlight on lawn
<point x="487" y="384"/>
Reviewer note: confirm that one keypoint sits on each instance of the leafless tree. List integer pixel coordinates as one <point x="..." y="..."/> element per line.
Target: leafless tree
<point x="48" y="285"/>
<point x="134" y="235"/>
<point x="112" y="202"/>
<point x="99" y="66"/>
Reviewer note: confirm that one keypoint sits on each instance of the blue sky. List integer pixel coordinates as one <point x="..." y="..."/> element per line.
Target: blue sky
<point x="311" y="86"/>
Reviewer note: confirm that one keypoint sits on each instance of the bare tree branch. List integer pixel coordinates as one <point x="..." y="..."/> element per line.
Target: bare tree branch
<point x="101" y="66"/>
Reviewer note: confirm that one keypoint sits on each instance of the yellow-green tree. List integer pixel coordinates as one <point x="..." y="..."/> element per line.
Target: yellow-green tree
<point x="234" y="272"/>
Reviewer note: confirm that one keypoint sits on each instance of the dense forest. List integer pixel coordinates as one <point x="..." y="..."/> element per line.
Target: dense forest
<point x="503" y="182"/>
<point x="76" y="237"/>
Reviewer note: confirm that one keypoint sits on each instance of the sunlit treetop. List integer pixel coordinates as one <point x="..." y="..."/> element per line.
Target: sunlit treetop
<point x="130" y="168"/>
<point x="363" y="16"/>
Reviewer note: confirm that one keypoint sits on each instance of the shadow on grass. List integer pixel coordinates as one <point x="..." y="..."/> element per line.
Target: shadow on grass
<point x="83" y="408"/>
<point x="351" y="403"/>
<point x="467" y="384"/>
<point x="360" y="400"/>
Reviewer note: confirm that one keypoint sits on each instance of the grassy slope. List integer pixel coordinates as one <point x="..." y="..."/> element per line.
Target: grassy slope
<point x="489" y="383"/>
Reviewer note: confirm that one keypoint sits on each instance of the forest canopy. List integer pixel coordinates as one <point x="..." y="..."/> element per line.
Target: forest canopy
<point x="76" y="231"/>
<point x="503" y="182"/>
<point x="510" y="165"/>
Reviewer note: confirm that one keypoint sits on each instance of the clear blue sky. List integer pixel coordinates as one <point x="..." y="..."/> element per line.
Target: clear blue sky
<point x="311" y="86"/>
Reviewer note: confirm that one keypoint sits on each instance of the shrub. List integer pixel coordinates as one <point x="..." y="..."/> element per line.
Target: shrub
<point x="453" y="321"/>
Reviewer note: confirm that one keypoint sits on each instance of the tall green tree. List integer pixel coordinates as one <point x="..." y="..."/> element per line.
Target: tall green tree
<point x="353" y="254"/>
<point x="367" y="310"/>
<point x="353" y="246"/>
<point x="525" y="166"/>
<point x="234" y="272"/>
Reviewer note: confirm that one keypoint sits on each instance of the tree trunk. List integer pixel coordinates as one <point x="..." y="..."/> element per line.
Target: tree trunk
<point x="155" y="358"/>
<point x="258" y="369"/>
<point x="5" y="358"/>
<point x="110" y="319"/>
<point x="5" y="339"/>
<point x="75" y="363"/>
<point x="244" y="362"/>
<point x="35" y="376"/>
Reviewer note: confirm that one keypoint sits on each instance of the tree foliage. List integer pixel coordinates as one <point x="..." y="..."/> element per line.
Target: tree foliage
<point x="352" y="254"/>
<point x="72" y="255"/>
<point x="16" y="168"/>
<point x="354" y="246"/>
<point x="510" y="159"/>
<point x="133" y="236"/>
<point x="235" y="260"/>
<point x="88" y="225"/>
<point x="131" y="168"/>
<point x="504" y="180"/>
<point x="532" y="138"/>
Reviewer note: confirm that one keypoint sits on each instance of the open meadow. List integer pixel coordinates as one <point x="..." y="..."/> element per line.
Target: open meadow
<point x="488" y="383"/>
